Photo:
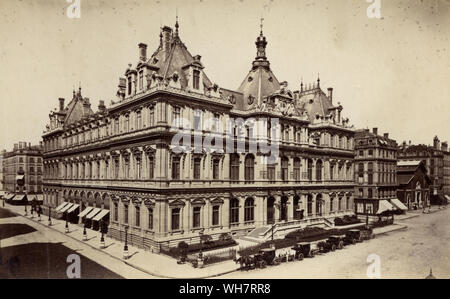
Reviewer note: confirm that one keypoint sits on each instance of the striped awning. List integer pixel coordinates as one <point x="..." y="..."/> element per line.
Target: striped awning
<point x="19" y="197"/>
<point x="100" y="215"/>
<point x="9" y="196"/>
<point x="73" y="208"/>
<point x="93" y="213"/>
<point x="66" y="207"/>
<point x="85" y="211"/>
<point x="61" y="206"/>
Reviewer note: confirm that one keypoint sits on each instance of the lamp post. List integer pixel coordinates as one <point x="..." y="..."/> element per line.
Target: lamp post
<point x="49" y="213"/>
<point x="66" y="215"/>
<point x="125" y="247"/>
<point x="84" y="230"/>
<point x="102" y="239"/>
<point x="39" y="210"/>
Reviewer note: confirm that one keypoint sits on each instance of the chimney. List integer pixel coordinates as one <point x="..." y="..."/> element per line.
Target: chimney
<point x="197" y="57"/>
<point x="444" y="146"/>
<point x="16" y="146"/>
<point x="386" y="135"/>
<point x="375" y="131"/>
<point x="142" y="52"/>
<point x="61" y="104"/>
<point x="330" y="94"/>
<point x="166" y="40"/>
<point x="436" y="142"/>
<point x="101" y="106"/>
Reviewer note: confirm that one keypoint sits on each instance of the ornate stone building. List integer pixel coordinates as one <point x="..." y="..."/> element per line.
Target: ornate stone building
<point x="122" y="158"/>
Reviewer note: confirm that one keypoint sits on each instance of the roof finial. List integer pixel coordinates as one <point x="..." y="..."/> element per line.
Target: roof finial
<point x="261" y="25"/>
<point x="301" y="84"/>
<point x="176" y="23"/>
<point x="318" y="79"/>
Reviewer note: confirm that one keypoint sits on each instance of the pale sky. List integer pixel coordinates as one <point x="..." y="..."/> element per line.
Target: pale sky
<point x="392" y="73"/>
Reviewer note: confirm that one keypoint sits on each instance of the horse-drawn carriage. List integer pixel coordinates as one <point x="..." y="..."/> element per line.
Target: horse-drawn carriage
<point x="303" y="250"/>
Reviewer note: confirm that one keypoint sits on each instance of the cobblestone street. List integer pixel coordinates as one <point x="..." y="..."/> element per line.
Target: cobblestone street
<point x="406" y="253"/>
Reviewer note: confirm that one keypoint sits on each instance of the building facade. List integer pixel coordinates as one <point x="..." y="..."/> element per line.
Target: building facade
<point x="375" y="170"/>
<point x="444" y="148"/>
<point x="413" y="184"/>
<point x="123" y="159"/>
<point x="22" y="169"/>
<point x="433" y="158"/>
<point x="2" y="187"/>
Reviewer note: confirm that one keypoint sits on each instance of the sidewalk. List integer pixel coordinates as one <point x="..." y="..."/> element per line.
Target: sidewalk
<point x="151" y="263"/>
<point x="389" y="228"/>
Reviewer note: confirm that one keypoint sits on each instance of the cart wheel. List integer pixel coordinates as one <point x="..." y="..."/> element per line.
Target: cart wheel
<point x="300" y="256"/>
<point x="312" y="253"/>
<point x="354" y="241"/>
<point x="333" y="247"/>
<point x="341" y="245"/>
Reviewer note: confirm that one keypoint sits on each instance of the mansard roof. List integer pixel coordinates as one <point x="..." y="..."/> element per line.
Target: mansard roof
<point x="315" y="102"/>
<point x="173" y="59"/>
<point x="77" y="109"/>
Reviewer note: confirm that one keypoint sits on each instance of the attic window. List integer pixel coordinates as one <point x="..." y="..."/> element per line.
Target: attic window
<point x="311" y="101"/>
<point x="196" y="79"/>
<point x="155" y="60"/>
<point x="250" y="79"/>
<point x="270" y="79"/>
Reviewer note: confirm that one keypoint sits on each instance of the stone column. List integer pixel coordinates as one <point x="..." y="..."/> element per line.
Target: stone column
<point x="186" y="217"/>
<point x="225" y="210"/>
<point x="277" y="207"/>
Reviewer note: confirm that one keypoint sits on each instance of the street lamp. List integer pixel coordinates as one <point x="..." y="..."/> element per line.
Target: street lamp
<point x="102" y="239"/>
<point x="84" y="230"/>
<point x="49" y="213"/>
<point x="125" y="247"/>
<point x="67" y="223"/>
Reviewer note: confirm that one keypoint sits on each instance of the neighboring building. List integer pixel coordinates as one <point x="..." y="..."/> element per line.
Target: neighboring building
<point x="413" y="184"/>
<point x="22" y="170"/>
<point x="446" y="170"/>
<point x="120" y="160"/>
<point x="2" y="187"/>
<point x="433" y="158"/>
<point x="375" y="171"/>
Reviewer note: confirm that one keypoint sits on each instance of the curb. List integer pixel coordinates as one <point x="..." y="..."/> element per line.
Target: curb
<point x="402" y="227"/>
<point x="119" y="259"/>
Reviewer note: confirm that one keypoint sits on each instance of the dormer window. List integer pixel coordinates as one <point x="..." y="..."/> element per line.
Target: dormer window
<point x="129" y="85"/>
<point x="141" y="80"/>
<point x="196" y="79"/>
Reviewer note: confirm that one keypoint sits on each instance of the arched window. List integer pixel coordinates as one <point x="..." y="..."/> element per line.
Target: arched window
<point x="284" y="169"/>
<point x="151" y="167"/>
<point x="297" y="164"/>
<point x="150" y="218"/>
<point x="331" y="204"/>
<point x="319" y="165"/>
<point x="249" y="210"/>
<point x="196" y="217"/>
<point x="234" y="211"/>
<point x="175" y="218"/>
<point x="234" y="167"/>
<point x="319" y="205"/>
<point x="249" y="168"/>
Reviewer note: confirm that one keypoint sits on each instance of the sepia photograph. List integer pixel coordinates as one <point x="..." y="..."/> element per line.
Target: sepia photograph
<point x="219" y="142"/>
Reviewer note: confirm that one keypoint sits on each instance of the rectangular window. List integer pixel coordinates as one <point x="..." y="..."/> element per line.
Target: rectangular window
<point x="215" y="215"/>
<point x="271" y="172"/>
<point x="137" y="221"/>
<point x="196" y="79"/>
<point x="116" y="212"/>
<point x="151" y="116"/>
<point x="196" y="217"/>
<point x="116" y="125"/>
<point x="197" y="165"/>
<point x="197" y="120"/>
<point x="138" y="120"/>
<point x="125" y="214"/>
<point x="176" y="219"/>
<point x="151" y="167"/>
<point x="176" y="168"/>
<point x="176" y="117"/>
<point x="216" y="169"/>
<point x="129" y="85"/>
<point x="150" y="218"/>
